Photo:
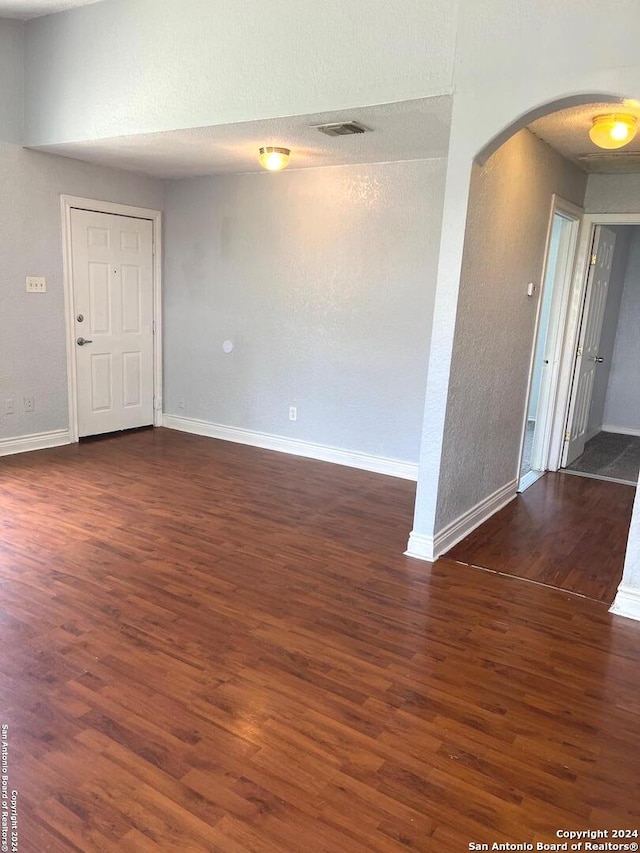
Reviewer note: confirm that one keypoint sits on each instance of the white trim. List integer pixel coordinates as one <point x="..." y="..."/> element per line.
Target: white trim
<point x="420" y="547"/>
<point x="627" y="602"/>
<point x="308" y="449"/>
<point x="620" y="430"/>
<point x="35" y="441"/>
<point x="548" y="409"/>
<point x="591" y="476"/>
<point x="574" y="316"/>
<point x="613" y="218"/>
<point x="67" y="204"/>
<point x="430" y="548"/>
<point x="529" y="479"/>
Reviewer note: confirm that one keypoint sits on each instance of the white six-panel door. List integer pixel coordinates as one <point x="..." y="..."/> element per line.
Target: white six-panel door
<point x="590" y="332"/>
<point x="112" y="273"/>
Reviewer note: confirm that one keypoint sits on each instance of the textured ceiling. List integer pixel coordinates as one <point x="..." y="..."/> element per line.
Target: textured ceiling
<point x="568" y="132"/>
<point x="409" y="130"/>
<point x="25" y="9"/>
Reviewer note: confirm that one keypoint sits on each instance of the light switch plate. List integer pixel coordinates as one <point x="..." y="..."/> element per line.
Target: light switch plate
<point x="36" y="284"/>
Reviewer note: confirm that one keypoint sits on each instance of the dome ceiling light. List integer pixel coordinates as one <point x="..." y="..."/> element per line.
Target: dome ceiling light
<point x="274" y="159"/>
<point x="614" y="130"/>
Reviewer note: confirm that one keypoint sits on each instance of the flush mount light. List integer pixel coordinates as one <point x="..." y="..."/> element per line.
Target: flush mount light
<point x="274" y="159"/>
<point x="613" y="131"/>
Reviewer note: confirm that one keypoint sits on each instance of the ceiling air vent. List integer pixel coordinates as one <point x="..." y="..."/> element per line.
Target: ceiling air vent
<point x="341" y="128"/>
<point x="612" y="162"/>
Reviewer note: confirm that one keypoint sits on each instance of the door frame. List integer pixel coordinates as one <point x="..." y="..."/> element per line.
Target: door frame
<point x="574" y="320"/>
<point x="575" y="215"/>
<point x="67" y="204"/>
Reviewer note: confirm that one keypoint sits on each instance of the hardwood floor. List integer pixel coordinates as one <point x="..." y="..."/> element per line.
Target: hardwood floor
<point x="568" y="532"/>
<point x="209" y="647"/>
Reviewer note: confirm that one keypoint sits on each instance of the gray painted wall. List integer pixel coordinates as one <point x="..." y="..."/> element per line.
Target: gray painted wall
<point x="324" y="281"/>
<point x="622" y="406"/>
<point x="610" y="324"/>
<point x="11" y="81"/>
<point x="613" y="194"/>
<point x="32" y="326"/>
<point x="507" y="223"/>
<point x="136" y="66"/>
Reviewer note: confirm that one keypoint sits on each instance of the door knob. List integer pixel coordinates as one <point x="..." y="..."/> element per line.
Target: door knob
<point x="82" y="341"/>
<point x="598" y="359"/>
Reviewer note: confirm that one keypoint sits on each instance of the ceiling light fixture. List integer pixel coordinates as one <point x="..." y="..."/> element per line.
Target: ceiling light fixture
<point x="274" y="159"/>
<point x="613" y="131"/>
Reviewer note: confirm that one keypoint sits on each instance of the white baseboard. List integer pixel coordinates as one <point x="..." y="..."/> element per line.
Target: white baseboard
<point x="36" y="441"/>
<point x="420" y="547"/>
<point x="308" y="449"/>
<point x="431" y="547"/>
<point x="620" y="430"/>
<point x="627" y="602"/>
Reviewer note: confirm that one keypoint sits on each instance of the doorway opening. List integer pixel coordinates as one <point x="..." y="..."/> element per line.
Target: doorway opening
<point x="562" y="241"/>
<point x="504" y="340"/>
<point x="583" y="411"/>
<point x="603" y="427"/>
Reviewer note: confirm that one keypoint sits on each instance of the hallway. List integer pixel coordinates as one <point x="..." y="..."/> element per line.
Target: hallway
<point x="565" y="532"/>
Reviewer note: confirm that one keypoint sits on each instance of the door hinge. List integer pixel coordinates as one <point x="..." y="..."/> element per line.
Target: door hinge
<point x="594" y="258"/>
<point x="567" y="435"/>
<point x="579" y="351"/>
<point x="153" y="327"/>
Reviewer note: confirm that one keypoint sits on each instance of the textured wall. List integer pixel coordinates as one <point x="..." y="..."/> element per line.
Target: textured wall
<point x="610" y="324"/>
<point x="324" y="281"/>
<point x="622" y="407"/>
<point x="613" y="194"/>
<point x="163" y="64"/>
<point x="504" y="250"/>
<point x="542" y="46"/>
<point x="11" y="80"/>
<point x="32" y="326"/>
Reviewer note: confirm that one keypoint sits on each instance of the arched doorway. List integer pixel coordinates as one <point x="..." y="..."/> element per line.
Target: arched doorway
<point x="512" y="180"/>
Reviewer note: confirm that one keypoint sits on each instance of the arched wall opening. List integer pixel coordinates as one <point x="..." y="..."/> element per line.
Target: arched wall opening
<point x="512" y="178"/>
<point x="525" y="119"/>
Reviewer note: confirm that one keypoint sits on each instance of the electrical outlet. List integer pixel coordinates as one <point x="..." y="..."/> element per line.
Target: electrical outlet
<point x="293" y="413"/>
<point x="181" y="403"/>
<point x="29" y="404"/>
<point x="36" y="284"/>
<point x="9" y="408"/>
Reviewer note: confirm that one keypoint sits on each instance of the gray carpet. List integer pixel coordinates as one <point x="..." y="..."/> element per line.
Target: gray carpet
<point x="609" y="454"/>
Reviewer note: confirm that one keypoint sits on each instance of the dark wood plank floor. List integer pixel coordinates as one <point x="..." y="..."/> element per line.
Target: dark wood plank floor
<point x="565" y="531"/>
<point x="208" y="647"/>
